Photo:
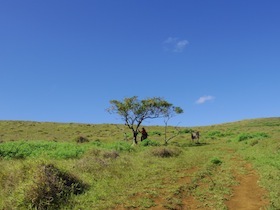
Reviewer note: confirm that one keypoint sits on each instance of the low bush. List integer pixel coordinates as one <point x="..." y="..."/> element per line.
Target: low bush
<point x="51" y="187"/>
<point x="166" y="152"/>
<point x="148" y="142"/>
<point x="246" y="136"/>
<point x="214" y="134"/>
<point x="81" y="139"/>
<point x="97" y="143"/>
<point x="186" y="130"/>
<point x="261" y="135"/>
<point x="155" y="133"/>
<point x="121" y="146"/>
<point x="111" y="154"/>
<point x="216" y="161"/>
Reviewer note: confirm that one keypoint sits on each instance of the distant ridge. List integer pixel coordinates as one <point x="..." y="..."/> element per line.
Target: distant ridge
<point x="81" y="123"/>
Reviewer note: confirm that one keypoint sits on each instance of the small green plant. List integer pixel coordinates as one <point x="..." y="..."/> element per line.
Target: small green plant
<point x="216" y="161"/>
<point x="155" y="133"/>
<point x="246" y="136"/>
<point x="121" y="146"/>
<point x="81" y="139"/>
<point x="173" y="202"/>
<point x="219" y="134"/>
<point x="166" y="152"/>
<point x="261" y="135"/>
<point x="148" y="142"/>
<point x="97" y="143"/>
<point x="186" y="130"/>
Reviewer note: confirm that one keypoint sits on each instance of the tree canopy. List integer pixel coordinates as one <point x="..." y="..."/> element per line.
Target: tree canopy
<point x="134" y="111"/>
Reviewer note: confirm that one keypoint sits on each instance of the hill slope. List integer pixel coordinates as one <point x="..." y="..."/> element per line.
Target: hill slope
<point x="20" y="130"/>
<point x="112" y="174"/>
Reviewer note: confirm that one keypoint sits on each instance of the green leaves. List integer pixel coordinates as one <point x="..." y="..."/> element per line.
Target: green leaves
<point x="134" y="110"/>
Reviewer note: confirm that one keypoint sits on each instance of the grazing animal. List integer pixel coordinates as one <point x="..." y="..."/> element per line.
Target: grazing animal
<point x="195" y="135"/>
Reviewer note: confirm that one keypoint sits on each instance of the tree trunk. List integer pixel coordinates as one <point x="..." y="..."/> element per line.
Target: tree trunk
<point x="165" y="133"/>
<point x="135" y="133"/>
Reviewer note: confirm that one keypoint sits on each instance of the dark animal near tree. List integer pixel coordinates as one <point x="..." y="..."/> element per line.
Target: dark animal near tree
<point x="144" y="134"/>
<point x="195" y="135"/>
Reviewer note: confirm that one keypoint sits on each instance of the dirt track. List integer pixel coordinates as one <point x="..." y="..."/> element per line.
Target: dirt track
<point x="248" y="194"/>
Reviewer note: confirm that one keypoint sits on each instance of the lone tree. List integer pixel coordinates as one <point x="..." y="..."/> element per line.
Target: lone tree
<point x="134" y="111"/>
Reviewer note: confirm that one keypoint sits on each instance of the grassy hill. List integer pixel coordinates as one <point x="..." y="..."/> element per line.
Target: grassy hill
<point x="85" y="166"/>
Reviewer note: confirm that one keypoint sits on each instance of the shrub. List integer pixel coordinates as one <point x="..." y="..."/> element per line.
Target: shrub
<point x="97" y="143"/>
<point x="186" y="130"/>
<point x="52" y="187"/>
<point x="261" y="135"/>
<point x="121" y="146"/>
<point x="155" y="133"/>
<point x="213" y="134"/>
<point x="148" y="142"/>
<point x="111" y="154"/>
<point x="216" y="161"/>
<point x="95" y="160"/>
<point x="246" y="136"/>
<point x="81" y="139"/>
<point x="254" y="142"/>
<point x="17" y="150"/>
<point x="165" y="152"/>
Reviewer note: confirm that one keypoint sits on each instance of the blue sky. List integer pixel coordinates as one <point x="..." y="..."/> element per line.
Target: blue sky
<point x="63" y="61"/>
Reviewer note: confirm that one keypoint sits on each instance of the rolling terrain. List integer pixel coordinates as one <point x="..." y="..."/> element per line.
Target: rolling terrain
<point x="46" y="165"/>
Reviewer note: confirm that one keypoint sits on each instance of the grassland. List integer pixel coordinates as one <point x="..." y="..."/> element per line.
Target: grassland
<point x="45" y="165"/>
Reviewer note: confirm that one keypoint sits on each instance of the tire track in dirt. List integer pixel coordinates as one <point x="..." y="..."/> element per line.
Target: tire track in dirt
<point x="247" y="195"/>
<point x="161" y="202"/>
<point x="187" y="200"/>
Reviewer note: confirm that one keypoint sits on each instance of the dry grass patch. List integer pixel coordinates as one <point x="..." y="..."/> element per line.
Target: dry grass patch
<point x="52" y="187"/>
<point x="165" y="152"/>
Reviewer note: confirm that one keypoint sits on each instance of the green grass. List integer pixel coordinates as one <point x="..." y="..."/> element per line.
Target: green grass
<point x="119" y="175"/>
<point x="55" y="150"/>
<point x="35" y="149"/>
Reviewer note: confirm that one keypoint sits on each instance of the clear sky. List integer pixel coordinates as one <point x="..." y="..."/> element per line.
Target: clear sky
<point x="64" y="60"/>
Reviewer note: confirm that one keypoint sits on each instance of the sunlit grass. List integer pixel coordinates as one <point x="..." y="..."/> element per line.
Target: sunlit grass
<point x="121" y="175"/>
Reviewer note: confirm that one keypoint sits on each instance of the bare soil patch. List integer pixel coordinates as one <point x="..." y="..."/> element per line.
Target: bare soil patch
<point x="248" y="195"/>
